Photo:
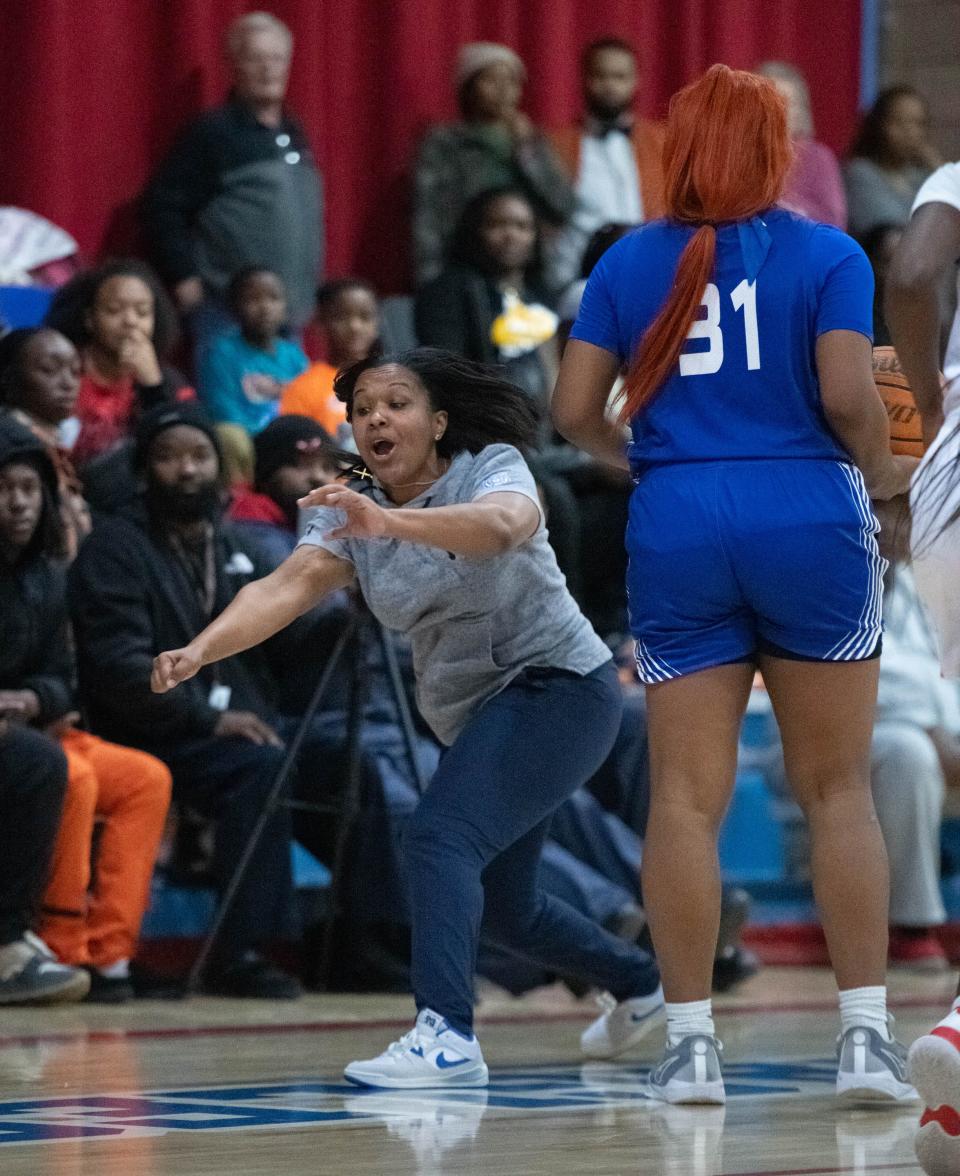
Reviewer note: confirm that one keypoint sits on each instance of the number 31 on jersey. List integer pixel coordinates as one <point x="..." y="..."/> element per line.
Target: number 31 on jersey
<point x="705" y="363"/>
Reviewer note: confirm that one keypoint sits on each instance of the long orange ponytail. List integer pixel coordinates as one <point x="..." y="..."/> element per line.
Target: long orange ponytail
<point x="725" y="158"/>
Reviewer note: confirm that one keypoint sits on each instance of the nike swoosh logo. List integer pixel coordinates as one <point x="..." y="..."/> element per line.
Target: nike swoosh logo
<point x="443" y="1064"/>
<point x="639" y="1018"/>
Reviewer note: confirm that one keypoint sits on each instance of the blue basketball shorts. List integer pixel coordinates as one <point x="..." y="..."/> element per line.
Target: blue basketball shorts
<point x="732" y="559"/>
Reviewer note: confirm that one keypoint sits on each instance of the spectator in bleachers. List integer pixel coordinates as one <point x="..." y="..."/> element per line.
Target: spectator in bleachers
<point x="39" y="382"/>
<point x="293" y="457"/>
<point x="243" y="371"/>
<point x="494" y="145"/>
<point x="122" y="323"/>
<point x="613" y="156"/>
<point x="240" y="188"/>
<point x="33" y="250"/>
<point x="33" y="780"/>
<point x="890" y="158"/>
<point x="814" y="185"/>
<point x="489" y="304"/>
<point x="917" y="720"/>
<point x="126" y="790"/>
<point x="880" y="244"/>
<point x="145" y="581"/>
<point x="348" y="316"/>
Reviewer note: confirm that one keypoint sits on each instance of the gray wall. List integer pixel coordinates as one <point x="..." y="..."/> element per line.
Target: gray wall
<point x="920" y="46"/>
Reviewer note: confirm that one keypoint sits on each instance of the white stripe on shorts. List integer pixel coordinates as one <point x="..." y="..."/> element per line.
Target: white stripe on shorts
<point x="859" y="643"/>
<point x="652" y="669"/>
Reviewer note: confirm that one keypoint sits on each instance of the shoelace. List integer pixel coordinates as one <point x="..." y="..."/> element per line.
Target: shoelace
<point x="406" y="1042"/>
<point x="605" y="1002"/>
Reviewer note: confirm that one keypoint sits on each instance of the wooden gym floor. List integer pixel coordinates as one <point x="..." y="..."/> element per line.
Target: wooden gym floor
<point x="207" y="1086"/>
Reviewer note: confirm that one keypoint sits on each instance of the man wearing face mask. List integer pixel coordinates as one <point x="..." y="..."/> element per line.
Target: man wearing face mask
<point x="141" y="580"/>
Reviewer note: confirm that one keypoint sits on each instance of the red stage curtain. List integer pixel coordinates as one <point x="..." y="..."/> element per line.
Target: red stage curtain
<point x="92" y="93"/>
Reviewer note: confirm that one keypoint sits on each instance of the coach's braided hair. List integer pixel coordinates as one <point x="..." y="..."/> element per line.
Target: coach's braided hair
<point x="482" y="406"/>
<point x="726" y="157"/>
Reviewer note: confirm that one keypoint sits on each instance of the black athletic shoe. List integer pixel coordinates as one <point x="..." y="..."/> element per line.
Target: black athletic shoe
<point x="254" y="978"/>
<point x="108" y="989"/>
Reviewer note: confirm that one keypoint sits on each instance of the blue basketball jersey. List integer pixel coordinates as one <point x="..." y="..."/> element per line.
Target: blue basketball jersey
<point x="746" y="385"/>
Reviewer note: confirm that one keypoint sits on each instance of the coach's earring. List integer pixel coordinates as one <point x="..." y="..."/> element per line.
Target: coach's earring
<point x="438" y="436"/>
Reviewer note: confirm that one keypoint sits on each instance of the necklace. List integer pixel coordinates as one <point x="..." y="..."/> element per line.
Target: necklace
<point x="428" y="482"/>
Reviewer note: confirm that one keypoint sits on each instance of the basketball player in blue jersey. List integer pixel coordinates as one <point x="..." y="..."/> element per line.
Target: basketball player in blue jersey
<point x="758" y="440"/>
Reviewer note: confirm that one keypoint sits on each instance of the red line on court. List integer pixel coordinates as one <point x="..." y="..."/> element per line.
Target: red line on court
<point x="174" y="1031"/>
<point x="828" y="1171"/>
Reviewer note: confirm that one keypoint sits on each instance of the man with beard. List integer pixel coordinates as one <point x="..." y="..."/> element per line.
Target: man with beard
<point x="612" y="155"/>
<point x="143" y="581"/>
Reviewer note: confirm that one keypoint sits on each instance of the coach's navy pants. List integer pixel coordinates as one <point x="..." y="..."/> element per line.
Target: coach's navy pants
<point x="472" y="850"/>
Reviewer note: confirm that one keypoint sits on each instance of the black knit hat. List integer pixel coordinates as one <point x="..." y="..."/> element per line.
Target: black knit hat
<point x="18" y="443"/>
<point x="168" y="416"/>
<point x="283" y="441"/>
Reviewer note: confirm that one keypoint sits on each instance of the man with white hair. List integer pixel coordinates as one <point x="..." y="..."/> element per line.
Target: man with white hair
<point x="240" y="188"/>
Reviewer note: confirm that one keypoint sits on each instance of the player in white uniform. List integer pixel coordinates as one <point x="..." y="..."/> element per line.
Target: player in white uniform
<point x="928" y="253"/>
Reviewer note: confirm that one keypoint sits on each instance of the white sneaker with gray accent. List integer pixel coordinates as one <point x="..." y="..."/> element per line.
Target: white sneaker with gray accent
<point x="872" y="1069"/>
<point x="622" y="1024"/>
<point x="690" y="1072"/>
<point x="431" y="1054"/>
<point x="30" y="974"/>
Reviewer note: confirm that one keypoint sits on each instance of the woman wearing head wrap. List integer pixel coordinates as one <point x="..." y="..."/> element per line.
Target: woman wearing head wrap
<point x="493" y="145"/>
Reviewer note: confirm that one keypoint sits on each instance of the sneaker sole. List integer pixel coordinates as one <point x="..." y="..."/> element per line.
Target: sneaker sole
<point x="74" y="989"/>
<point x="643" y="1029"/>
<point x="883" y="1088"/>
<point x="690" y="1093"/>
<point x="934" y="1067"/>
<point x="937" y="1150"/>
<point x="478" y="1076"/>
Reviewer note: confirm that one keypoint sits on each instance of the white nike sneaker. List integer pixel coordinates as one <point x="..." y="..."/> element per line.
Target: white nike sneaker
<point x="623" y="1024"/>
<point x="431" y="1054"/>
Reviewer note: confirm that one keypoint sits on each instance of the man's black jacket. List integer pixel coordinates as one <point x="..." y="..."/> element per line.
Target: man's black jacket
<point x="130" y="599"/>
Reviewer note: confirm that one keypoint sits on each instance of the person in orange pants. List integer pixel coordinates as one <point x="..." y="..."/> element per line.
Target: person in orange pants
<point x="128" y="789"/>
<point x="130" y="792"/>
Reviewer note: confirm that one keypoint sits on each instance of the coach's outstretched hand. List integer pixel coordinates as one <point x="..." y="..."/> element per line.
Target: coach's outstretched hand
<point x="364" y="518"/>
<point x="172" y="668"/>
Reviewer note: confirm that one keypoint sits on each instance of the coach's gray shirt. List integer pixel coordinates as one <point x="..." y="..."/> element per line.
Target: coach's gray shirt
<point x="474" y="623"/>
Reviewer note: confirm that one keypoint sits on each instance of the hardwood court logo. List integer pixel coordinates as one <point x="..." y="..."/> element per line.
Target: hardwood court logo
<point x="456" y="1114"/>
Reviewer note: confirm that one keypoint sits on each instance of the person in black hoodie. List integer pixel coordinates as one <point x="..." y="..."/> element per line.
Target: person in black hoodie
<point x="33" y="769"/>
<point x="146" y="580"/>
<point x="90" y="927"/>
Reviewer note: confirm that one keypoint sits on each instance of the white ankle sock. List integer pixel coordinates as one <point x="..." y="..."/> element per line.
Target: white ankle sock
<point x="865" y="1006"/>
<point x="116" y="971"/>
<point x="686" y="1017"/>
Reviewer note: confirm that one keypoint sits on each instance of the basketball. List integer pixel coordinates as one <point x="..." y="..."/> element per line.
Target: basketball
<point x="906" y="435"/>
